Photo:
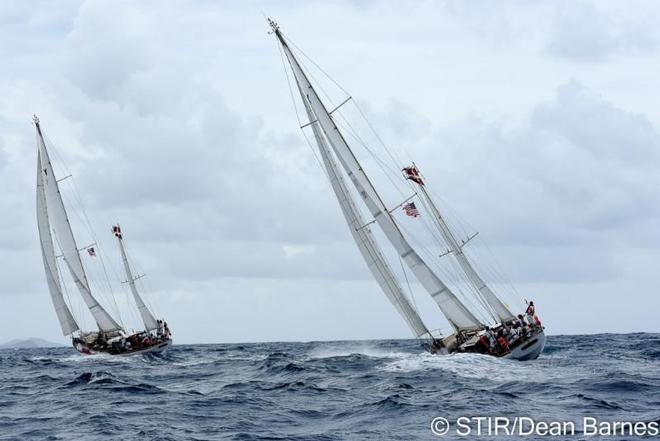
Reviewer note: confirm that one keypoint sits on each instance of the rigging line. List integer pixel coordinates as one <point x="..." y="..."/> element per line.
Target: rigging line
<point x="295" y="107"/>
<point x="317" y="66"/>
<point x="412" y="295"/>
<point x="498" y="269"/>
<point x="396" y="161"/>
<point x="87" y="223"/>
<point x="351" y="130"/>
<point x="450" y="276"/>
<point x="385" y="168"/>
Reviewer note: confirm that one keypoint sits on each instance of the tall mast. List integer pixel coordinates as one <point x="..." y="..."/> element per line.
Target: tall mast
<point x="456" y="313"/>
<point x="147" y="317"/>
<point x="57" y="219"/>
<point x="502" y="313"/>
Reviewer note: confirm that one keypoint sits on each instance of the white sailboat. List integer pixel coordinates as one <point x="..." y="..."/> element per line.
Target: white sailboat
<point x="504" y="336"/>
<point x="56" y="235"/>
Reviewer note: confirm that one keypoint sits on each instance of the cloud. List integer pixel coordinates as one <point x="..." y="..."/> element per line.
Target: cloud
<point x="175" y="121"/>
<point x="583" y="32"/>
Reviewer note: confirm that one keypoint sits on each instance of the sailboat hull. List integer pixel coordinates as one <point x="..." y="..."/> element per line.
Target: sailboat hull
<point x="159" y="347"/>
<point x="529" y="350"/>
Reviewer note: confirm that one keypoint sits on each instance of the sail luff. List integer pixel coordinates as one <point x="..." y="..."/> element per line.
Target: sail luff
<point x="456" y="313"/>
<point x="66" y="319"/>
<point x="147" y="317"/>
<point x="59" y="222"/>
<point x="499" y="308"/>
<point x="364" y="238"/>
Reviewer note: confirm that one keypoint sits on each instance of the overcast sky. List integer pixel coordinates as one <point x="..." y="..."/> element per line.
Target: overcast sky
<point x="537" y="122"/>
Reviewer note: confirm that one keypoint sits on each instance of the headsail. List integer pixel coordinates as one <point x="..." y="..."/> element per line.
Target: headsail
<point x="455" y="312"/>
<point x="67" y="322"/>
<point x="502" y="313"/>
<point x="147" y="317"/>
<point x="58" y="221"/>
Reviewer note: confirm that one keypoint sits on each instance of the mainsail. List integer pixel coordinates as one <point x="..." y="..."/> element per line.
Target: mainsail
<point x="364" y="238"/>
<point x="67" y="322"/>
<point x="52" y="215"/>
<point x="147" y="317"/>
<point x="502" y="313"/>
<point x="456" y="313"/>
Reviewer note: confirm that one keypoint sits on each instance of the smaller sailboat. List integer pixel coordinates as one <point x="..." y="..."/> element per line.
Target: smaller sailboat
<point x="481" y="322"/>
<point x="59" y="243"/>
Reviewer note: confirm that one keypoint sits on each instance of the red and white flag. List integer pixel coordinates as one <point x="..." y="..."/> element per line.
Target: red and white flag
<point x="116" y="231"/>
<point x="413" y="174"/>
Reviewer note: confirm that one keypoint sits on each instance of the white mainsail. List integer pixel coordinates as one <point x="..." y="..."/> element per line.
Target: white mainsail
<point x="55" y="217"/>
<point x="456" y="313"/>
<point x="147" y="317"/>
<point x="67" y="322"/>
<point x="364" y="238"/>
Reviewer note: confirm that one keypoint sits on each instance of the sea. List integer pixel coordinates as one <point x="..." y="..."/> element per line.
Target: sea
<point x="606" y="386"/>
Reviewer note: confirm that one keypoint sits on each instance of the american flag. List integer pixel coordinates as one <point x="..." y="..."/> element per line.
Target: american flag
<point x="411" y="210"/>
<point x="91" y="251"/>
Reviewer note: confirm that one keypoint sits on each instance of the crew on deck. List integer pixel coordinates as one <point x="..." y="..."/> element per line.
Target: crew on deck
<point x="505" y="337"/>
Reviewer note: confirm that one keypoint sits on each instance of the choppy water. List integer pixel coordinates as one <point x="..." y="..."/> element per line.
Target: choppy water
<point x="320" y="391"/>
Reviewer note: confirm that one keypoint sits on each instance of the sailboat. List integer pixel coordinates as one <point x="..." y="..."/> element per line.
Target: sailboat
<point x="504" y="335"/>
<point x="58" y="242"/>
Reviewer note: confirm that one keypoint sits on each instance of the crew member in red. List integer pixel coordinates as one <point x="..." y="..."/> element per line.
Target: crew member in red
<point x="531" y="311"/>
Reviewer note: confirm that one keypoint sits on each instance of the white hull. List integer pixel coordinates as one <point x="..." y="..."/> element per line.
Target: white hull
<point x="529" y="350"/>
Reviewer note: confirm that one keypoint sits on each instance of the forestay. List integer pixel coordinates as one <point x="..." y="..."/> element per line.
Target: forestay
<point x="58" y="221"/>
<point x="455" y="312"/>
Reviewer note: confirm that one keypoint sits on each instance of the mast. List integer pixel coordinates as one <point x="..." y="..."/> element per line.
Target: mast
<point x="502" y="313"/>
<point x="456" y="313"/>
<point x="54" y="217"/>
<point x="147" y="317"/>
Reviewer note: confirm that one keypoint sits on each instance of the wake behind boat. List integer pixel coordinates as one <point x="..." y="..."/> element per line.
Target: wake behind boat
<point x="58" y="243"/>
<point x="494" y="330"/>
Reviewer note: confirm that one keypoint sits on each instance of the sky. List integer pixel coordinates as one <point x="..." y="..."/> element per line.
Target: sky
<point x="536" y="122"/>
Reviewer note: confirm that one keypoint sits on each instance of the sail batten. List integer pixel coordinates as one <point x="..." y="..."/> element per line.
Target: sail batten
<point x="54" y="217"/>
<point x="456" y="313"/>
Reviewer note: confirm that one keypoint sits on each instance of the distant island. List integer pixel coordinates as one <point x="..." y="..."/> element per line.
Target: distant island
<point x="28" y="343"/>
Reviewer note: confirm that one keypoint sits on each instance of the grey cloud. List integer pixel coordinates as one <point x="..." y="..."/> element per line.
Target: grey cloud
<point x="175" y="121"/>
<point x="583" y="33"/>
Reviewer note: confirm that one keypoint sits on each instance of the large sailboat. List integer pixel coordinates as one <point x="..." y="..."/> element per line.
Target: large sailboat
<point x="501" y="334"/>
<point x="59" y="248"/>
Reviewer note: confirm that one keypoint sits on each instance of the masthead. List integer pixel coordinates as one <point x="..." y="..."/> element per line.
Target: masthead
<point x="273" y="24"/>
<point x="35" y="118"/>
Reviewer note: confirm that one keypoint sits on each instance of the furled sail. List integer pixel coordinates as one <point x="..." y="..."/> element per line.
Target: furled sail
<point x="67" y="322"/>
<point x="456" y="313"/>
<point x="147" y="317"/>
<point x="59" y="222"/>
<point x="364" y="238"/>
<point x="502" y="313"/>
